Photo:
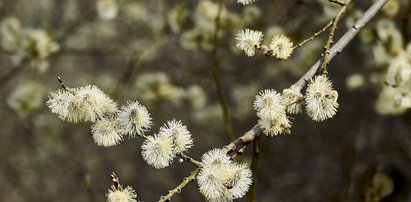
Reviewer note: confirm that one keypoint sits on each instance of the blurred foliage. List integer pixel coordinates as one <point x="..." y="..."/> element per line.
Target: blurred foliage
<point x="158" y="52"/>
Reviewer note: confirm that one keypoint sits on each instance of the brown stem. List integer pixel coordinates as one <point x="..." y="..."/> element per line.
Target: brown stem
<point x="339" y="2"/>
<point x="178" y="189"/>
<point x="188" y="159"/>
<point x="244" y="140"/>
<point x="330" y="41"/>
<point x="217" y="75"/>
<point x="254" y="165"/>
<point x="314" y="35"/>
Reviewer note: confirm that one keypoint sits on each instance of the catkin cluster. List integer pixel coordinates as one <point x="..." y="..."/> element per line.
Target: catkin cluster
<point x="110" y="124"/>
<point x="160" y="149"/>
<point x="281" y="47"/>
<point x="272" y="107"/>
<point x="219" y="179"/>
<point x="120" y="194"/>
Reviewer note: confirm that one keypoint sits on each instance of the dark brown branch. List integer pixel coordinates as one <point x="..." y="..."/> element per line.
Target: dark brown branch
<point x="217" y="75"/>
<point x="254" y="166"/>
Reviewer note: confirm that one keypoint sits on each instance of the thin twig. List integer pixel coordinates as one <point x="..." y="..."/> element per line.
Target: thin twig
<point x="330" y="41"/>
<point x="314" y="35"/>
<point x="178" y="189"/>
<point x="62" y="83"/>
<point x="339" y="2"/>
<point x="217" y="75"/>
<point x="64" y="86"/>
<point x="189" y="159"/>
<point x="254" y="166"/>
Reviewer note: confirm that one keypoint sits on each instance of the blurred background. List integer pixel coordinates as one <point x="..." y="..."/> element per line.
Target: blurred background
<point x="161" y="53"/>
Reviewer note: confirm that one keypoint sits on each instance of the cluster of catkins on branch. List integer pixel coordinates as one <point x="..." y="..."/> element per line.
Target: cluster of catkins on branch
<point x="219" y="179"/>
<point x="272" y="106"/>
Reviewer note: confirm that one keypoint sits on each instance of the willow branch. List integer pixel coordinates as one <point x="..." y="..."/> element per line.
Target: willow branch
<point x="339" y="2"/>
<point x="178" y="189"/>
<point x="217" y="75"/>
<point x="343" y="41"/>
<point x="186" y="180"/>
<point x="250" y="136"/>
<point x="244" y="140"/>
<point x="314" y="35"/>
<point x="330" y="41"/>
<point x="254" y="166"/>
<point x="188" y="159"/>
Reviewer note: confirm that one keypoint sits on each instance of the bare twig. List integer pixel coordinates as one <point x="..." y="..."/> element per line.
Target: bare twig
<point x="217" y="75"/>
<point x="254" y="165"/>
<point x="177" y="190"/>
<point x="62" y="84"/>
<point x="314" y="35"/>
<point x="66" y="88"/>
<point x="339" y="2"/>
<point x="188" y="159"/>
<point x="330" y="41"/>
